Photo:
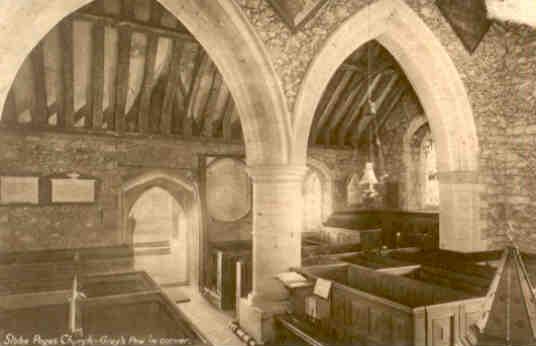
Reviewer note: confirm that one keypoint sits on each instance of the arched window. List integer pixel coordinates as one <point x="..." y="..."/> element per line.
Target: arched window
<point x="313" y="202"/>
<point x="421" y="187"/>
<point x="430" y="183"/>
<point x="353" y="191"/>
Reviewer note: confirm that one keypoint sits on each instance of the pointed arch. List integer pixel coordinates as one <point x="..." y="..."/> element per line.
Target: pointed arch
<point x="441" y="92"/>
<point x="185" y="192"/>
<point x="326" y="179"/>
<point x="222" y="30"/>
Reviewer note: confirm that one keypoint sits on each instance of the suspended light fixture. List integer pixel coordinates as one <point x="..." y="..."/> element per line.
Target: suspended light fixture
<point x="369" y="178"/>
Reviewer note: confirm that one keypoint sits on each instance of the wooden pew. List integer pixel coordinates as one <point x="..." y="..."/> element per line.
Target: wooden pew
<point x="375" y="308"/>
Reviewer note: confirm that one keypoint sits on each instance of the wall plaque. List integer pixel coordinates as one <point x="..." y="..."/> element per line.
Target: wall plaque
<point x="296" y="13"/>
<point x="72" y="190"/>
<point x="468" y="19"/>
<point x="19" y="190"/>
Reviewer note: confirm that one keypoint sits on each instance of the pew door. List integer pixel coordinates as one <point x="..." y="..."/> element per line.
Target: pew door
<point x="442" y="322"/>
<point x="443" y="332"/>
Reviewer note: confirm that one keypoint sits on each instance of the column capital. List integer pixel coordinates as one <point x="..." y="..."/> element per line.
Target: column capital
<point x="277" y="173"/>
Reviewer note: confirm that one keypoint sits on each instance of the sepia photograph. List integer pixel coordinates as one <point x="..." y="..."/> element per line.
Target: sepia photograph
<point x="268" y="172"/>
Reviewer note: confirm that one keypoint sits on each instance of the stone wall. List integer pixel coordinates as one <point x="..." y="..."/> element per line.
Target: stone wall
<point x="112" y="161"/>
<point x="499" y="78"/>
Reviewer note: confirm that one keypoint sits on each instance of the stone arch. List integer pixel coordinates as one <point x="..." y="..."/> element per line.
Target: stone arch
<point x="185" y="192"/>
<point x="220" y="28"/>
<point x="326" y="179"/>
<point x="439" y="88"/>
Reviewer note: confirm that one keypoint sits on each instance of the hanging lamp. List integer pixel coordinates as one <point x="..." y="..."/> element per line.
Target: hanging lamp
<point x="369" y="176"/>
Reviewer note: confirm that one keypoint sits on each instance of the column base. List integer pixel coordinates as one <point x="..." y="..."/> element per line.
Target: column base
<point x="258" y="319"/>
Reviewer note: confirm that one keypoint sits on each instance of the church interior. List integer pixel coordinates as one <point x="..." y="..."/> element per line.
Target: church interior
<point x="268" y="172"/>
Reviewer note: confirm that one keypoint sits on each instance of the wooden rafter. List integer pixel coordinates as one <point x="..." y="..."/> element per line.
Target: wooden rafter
<point x="65" y="83"/>
<point x="355" y="110"/>
<point x="324" y="115"/>
<point x="148" y="74"/>
<point x="223" y="99"/>
<point x="391" y="104"/>
<point x="334" y="81"/>
<point x="134" y="25"/>
<point x="343" y="103"/>
<point x="385" y="105"/>
<point x="219" y="100"/>
<point x="352" y="67"/>
<point x="95" y="117"/>
<point x="123" y="67"/>
<point x="171" y="87"/>
<point x="9" y="114"/>
<point x="201" y="64"/>
<point x="348" y="97"/>
<point x="39" y="108"/>
<point x="226" y="118"/>
<point x="213" y="90"/>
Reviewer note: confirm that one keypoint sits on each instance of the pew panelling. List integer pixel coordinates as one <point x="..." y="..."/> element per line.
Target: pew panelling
<point x="374" y="308"/>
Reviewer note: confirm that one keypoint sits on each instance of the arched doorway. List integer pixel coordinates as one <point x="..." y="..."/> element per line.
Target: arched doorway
<point x="145" y="200"/>
<point x="159" y="227"/>
<point x="441" y="92"/>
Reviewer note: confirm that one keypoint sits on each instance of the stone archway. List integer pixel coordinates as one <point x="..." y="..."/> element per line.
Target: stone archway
<point x="220" y="28"/>
<point x="441" y="92"/>
<point x="185" y="192"/>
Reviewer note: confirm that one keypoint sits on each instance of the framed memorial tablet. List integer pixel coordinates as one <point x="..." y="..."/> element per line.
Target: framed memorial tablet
<point x="70" y="188"/>
<point x="19" y="190"/>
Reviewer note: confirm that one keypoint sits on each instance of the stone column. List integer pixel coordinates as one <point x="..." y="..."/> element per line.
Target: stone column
<point x="460" y="227"/>
<point x="277" y="227"/>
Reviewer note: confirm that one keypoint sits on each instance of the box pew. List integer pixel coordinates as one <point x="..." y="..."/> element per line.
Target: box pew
<point x="447" y="260"/>
<point x="458" y="280"/>
<point x="375" y="308"/>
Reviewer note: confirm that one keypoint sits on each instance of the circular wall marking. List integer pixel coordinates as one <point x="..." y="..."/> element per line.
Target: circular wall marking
<point x="228" y="190"/>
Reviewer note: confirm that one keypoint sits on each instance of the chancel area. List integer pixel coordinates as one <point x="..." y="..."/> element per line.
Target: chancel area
<point x="268" y="172"/>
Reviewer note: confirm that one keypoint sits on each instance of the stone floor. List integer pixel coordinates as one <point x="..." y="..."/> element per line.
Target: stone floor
<point x="210" y="322"/>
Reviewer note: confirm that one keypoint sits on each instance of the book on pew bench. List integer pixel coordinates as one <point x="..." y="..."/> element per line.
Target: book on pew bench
<point x="293" y="280"/>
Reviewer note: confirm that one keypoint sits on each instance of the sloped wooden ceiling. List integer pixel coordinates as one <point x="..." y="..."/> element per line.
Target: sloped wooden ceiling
<point x="122" y="66"/>
<point x="342" y="117"/>
<point x="129" y="66"/>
